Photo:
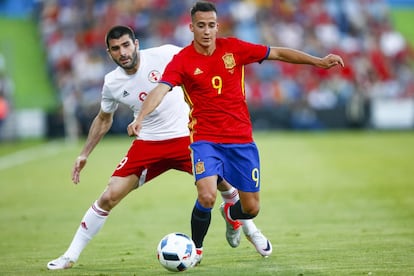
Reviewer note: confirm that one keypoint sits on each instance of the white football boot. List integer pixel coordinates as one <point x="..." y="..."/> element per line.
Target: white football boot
<point x="60" y="263"/>
<point x="262" y="244"/>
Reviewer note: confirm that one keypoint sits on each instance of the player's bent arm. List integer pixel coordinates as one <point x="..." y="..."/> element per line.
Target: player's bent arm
<point x="295" y="56"/>
<point x="99" y="127"/>
<point x="151" y="102"/>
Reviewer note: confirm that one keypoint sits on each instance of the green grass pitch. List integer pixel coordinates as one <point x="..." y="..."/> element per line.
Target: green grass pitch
<point x="338" y="203"/>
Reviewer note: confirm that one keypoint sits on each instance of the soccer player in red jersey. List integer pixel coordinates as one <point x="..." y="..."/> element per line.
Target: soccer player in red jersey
<point x="211" y="72"/>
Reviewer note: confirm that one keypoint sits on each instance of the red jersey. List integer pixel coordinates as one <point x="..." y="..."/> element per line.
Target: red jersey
<point x="214" y="89"/>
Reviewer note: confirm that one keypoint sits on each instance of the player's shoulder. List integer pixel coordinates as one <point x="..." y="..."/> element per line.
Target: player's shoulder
<point x="188" y="51"/>
<point x="163" y="50"/>
<point x="236" y="44"/>
<point x="228" y="40"/>
<point x="113" y="75"/>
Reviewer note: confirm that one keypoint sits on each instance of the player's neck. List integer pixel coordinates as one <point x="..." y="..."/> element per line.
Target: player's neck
<point x="131" y="71"/>
<point x="205" y="51"/>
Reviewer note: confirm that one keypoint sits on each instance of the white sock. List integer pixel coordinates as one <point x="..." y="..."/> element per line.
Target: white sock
<point x="248" y="226"/>
<point x="91" y="223"/>
<point x="232" y="196"/>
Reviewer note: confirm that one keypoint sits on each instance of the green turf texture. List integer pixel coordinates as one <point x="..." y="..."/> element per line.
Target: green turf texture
<point x="403" y="21"/>
<point x="338" y="203"/>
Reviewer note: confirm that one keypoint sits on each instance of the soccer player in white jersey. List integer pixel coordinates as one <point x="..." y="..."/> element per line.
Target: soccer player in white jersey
<point x="161" y="145"/>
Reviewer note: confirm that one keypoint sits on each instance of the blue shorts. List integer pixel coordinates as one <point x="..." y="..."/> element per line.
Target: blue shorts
<point x="239" y="164"/>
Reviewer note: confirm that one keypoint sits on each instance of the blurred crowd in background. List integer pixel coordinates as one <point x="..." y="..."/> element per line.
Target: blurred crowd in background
<point x="6" y="92"/>
<point x="378" y="59"/>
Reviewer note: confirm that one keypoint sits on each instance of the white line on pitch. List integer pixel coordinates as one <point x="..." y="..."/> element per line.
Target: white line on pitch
<point x="31" y="154"/>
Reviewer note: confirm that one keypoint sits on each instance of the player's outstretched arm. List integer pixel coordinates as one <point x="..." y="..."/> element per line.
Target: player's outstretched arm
<point x="99" y="127"/>
<point x="151" y="102"/>
<point x="299" y="57"/>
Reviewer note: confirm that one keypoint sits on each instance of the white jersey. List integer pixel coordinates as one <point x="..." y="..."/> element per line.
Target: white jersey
<point x="170" y="119"/>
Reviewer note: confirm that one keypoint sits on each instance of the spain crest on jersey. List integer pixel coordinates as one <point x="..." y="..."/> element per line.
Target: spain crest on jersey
<point x="229" y="61"/>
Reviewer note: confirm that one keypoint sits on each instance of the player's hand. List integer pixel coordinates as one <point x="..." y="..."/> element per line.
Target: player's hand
<point x="134" y="127"/>
<point x="331" y="60"/>
<point x="77" y="167"/>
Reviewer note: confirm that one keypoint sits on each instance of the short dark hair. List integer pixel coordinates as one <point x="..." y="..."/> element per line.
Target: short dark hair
<point x="118" y="31"/>
<point x="203" y="6"/>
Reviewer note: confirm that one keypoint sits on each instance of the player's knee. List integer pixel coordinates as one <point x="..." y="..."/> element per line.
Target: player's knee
<point x="207" y="200"/>
<point x="108" y="201"/>
<point x="251" y="211"/>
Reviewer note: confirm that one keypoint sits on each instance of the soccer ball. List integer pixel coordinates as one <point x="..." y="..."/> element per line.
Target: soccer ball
<point x="176" y="252"/>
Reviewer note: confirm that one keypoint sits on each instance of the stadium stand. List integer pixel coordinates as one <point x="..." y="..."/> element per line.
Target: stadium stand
<point x="378" y="59"/>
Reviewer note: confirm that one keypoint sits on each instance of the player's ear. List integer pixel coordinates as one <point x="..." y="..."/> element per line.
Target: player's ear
<point x="136" y="42"/>
<point x="109" y="53"/>
<point x="191" y="27"/>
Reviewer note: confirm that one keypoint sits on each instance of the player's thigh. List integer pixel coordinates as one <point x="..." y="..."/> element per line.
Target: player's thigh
<point x="242" y="166"/>
<point x="223" y="185"/>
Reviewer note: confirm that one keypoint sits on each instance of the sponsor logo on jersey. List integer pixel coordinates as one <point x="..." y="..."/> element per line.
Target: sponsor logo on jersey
<point x="197" y="71"/>
<point x="199" y="167"/>
<point x="142" y="95"/>
<point x="125" y="94"/>
<point x="154" y="76"/>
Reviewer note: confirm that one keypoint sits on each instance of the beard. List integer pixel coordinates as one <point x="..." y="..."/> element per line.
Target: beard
<point x="132" y="64"/>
